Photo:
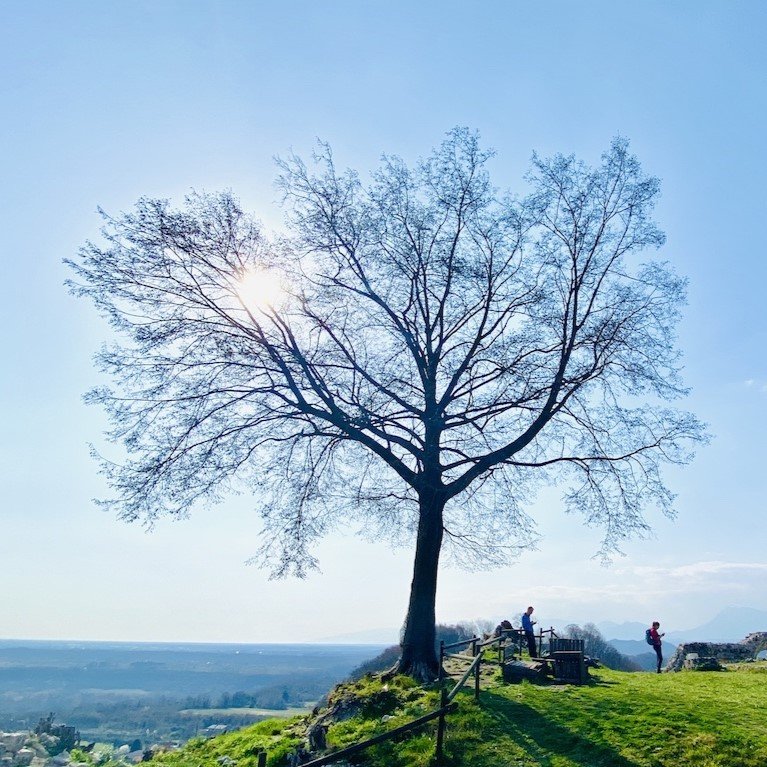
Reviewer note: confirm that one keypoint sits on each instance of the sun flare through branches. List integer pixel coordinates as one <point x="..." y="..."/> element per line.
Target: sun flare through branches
<point x="260" y="290"/>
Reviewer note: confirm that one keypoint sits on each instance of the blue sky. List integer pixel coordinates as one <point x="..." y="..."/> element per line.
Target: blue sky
<point x="107" y="102"/>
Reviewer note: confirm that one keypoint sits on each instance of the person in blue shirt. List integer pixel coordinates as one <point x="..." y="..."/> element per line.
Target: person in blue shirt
<point x="527" y="627"/>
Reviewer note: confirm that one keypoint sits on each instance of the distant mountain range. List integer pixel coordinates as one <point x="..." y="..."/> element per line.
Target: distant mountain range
<point x="730" y="625"/>
<point x="623" y="631"/>
<point x="635" y="647"/>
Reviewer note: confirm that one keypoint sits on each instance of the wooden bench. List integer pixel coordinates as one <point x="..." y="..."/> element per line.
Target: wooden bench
<point x="566" y="661"/>
<point x="570" y="666"/>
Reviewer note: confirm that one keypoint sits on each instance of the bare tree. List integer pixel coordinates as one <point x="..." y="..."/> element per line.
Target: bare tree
<point x="436" y="351"/>
<point x="598" y="648"/>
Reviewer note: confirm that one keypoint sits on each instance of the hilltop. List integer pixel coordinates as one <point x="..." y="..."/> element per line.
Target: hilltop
<point x="619" y="719"/>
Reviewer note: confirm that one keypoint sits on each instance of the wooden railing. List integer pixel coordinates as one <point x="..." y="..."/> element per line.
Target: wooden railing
<point x="447" y="704"/>
<point x="507" y="638"/>
<point x="476" y="646"/>
<point x="439" y="713"/>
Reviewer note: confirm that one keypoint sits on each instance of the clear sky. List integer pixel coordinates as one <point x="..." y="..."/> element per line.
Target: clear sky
<point x="105" y="102"/>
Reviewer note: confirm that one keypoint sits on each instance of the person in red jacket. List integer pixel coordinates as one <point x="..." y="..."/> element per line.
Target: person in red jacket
<point x="656" y="642"/>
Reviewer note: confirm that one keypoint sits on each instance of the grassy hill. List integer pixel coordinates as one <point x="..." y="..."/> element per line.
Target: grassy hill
<point x="620" y="719"/>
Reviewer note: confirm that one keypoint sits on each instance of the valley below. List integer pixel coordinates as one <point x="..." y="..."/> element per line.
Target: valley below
<point x="124" y="693"/>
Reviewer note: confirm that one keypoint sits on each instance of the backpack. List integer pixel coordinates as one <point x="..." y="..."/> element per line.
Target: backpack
<point x="648" y="637"/>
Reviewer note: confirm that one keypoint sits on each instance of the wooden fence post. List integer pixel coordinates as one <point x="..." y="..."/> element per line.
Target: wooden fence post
<point x="440" y="729"/>
<point x="476" y="680"/>
<point x="441" y="660"/>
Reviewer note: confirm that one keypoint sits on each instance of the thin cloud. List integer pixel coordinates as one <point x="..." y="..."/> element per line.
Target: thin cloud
<point x="647" y="584"/>
<point x="696" y="570"/>
<point x="627" y="591"/>
<point x="752" y="383"/>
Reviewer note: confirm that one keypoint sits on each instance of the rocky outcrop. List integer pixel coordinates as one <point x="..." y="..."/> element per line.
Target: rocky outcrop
<point x="29" y="749"/>
<point x="11" y="742"/>
<point x="56" y="737"/>
<point x="14" y="751"/>
<point x="696" y="663"/>
<point x="756" y="641"/>
<point x="24" y="757"/>
<point x="724" y="652"/>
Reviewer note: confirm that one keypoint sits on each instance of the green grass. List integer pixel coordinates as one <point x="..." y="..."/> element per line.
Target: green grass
<point x="688" y="719"/>
<point x="278" y="737"/>
<point x="621" y="720"/>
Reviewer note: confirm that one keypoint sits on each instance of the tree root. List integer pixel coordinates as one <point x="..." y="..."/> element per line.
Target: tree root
<point x="422" y="671"/>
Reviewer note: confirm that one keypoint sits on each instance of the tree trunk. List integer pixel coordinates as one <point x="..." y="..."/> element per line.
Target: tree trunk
<point x="419" y="657"/>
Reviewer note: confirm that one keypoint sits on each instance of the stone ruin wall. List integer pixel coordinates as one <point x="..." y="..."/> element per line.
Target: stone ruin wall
<point x="728" y="652"/>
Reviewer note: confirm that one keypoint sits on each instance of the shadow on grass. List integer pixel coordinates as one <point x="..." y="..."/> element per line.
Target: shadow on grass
<point x="546" y="740"/>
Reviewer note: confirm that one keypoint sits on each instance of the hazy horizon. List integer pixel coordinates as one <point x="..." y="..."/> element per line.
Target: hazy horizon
<point x="385" y="636"/>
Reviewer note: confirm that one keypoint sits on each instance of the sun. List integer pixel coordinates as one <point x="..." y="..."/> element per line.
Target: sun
<point x="260" y="289"/>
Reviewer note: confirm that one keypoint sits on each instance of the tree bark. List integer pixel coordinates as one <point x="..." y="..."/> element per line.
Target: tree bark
<point x="419" y="657"/>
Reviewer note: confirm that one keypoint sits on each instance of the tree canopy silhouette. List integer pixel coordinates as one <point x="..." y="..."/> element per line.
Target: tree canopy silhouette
<point x="414" y="357"/>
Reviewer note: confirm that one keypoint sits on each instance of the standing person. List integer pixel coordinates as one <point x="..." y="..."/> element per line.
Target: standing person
<point x="527" y="627"/>
<point x="657" y="643"/>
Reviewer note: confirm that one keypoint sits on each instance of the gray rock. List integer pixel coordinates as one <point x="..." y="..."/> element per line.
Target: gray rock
<point x="13" y="741"/>
<point x="702" y="664"/>
<point x="728" y="652"/>
<point x="24" y="757"/>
